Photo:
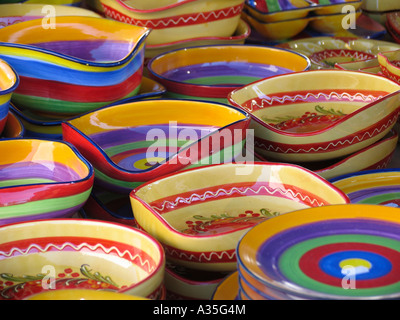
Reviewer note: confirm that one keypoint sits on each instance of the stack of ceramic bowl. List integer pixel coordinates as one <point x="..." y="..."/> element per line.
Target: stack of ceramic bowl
<point x="378" y="9"/>
<point x="333" y="252"/>
<point x="177" y="23"/>
<point x="320" y="115"/>
<point x="282" y="20"/>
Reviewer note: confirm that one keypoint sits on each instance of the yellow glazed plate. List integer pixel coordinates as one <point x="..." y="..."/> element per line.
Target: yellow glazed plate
<point x="228" y="288"/>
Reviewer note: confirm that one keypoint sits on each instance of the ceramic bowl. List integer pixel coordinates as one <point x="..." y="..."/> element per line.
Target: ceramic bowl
<point x="371" y="187"/>
<point x="199" y="215"/>
<point x="41" y="179"/>
<point x="41" y="127"/>
<point x="212" y="72"/>
<point x="320" y="114"/>
<point x="9" y="82"/>
<point x="336" y="252"/>
<point x="273" y="11"/>
<point x="176" y="20"/>
<point x="109" y="206"/>
<point x="332" y="23"/>
<point x="132" y="143"/>
<point x="389" y="63"/>
<point x="380" y="6"/>
<point x="14" y="127"/>
<point x="78" y="254"/>
<point x="19" y="12"/>
<point x="368" y="65"/>
<point x="82" y="294"/>
<point x="241" y="34"/>
<point x="83" y="55"/>
<point x="188" y="284"/>
<point x="323" y="7"/>
<point x="325" y="52"/>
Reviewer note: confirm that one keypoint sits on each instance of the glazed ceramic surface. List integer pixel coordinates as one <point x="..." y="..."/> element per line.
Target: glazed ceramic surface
<point x="372" y="187"/>
<point x="83" y="294"/>
<point x="83" y="55"/>
<point x="78" y="254"/>
<point x="228" y="288"/>
<point x="9" y="81"/>
<point x="240" y="35"/>
<point x="41" y="179"/>
<point x="132" y="143"/>
<point x="380" y="5"/>
<point x="38" y="126"/>
<point x="389" y="63"/>
<point x="19" y="12"/>
<point x="211" y="72"/>
<point x="175" y="20"/>
<point x="318" y="115"/>
<point x="14" y="127"/>
<point x="199" y="215"/>
<point x="331" y="252"/>
<point x="325" y="52"/>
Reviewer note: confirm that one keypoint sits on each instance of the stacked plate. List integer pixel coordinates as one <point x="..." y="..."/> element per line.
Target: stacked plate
<point x="333" y="252"/>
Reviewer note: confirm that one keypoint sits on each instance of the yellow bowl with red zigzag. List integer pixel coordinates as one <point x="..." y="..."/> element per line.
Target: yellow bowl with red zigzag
<point x="199" y="215"/>
<point x="175" y="20"/>
<point x="320" y="114"/>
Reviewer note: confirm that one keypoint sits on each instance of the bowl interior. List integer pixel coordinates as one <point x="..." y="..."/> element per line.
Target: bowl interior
<point x="85" y="38"/>
<point x="312" y="101"/>
<point x="226" y="198"/>
<point x="8" y="78"/>
<point x="141" y="135"/>
<point x="29" y="162"/>
<point x="80" y="255"/>
<point x="225" y="65"/>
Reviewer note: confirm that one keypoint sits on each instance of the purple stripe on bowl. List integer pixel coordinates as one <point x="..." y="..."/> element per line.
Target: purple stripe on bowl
<point x="376" y="191"/>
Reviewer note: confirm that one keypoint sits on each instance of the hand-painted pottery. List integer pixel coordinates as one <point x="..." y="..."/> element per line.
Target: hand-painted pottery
<point x="76" y="3"/>
<point x="189" y="284"/>
<point x="59" y="254"/>
<point x="132" y="143"/>
<point x="320" y="114"/>
<point x="332" y="23"/>
<point x="211" y="72"/>
<point x="333" y="252"/>
<point x="239" y="37"/>
<point x="372" y="187"/>
<point x="228" y="288"/>
<point x="109" y="206"/>
<point x="41" y="179"/>
<point x="13" y="128"/>
<point x="199" y="215"/>
<point x="38" y="126"/>
<point x="272" y="11"/>
<point x="81" y="64"/>
<point x="83" y="294"/>
<point x="19" y="12"/>
<point x="389" y="63"/>
<point x="380" y="6"/>
<point x="325" y="52"/>
<point x="9" y="81"/>
<point x="175" y="20"/>
<point x="323" y="7"/>
<point x="368" y="65"/>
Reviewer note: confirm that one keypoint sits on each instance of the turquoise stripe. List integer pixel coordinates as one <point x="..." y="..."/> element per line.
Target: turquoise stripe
<point x="49" y="71"/>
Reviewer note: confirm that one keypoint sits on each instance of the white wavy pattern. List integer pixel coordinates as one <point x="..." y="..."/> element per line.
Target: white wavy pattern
<point x="210" y="194"/>
<point x="37" y="248"/>
<point x="359" y="55"/>
<point x="203" y="257"/>
<point x="293" y="98"/>
<point x="158" y="24"/>
<point x="356" y="139"/>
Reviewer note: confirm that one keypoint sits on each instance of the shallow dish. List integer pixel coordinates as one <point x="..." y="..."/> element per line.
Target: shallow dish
<point x="41" y="179"/>
<point x="239" y="37"/>
<point x="131" y="143"/>
<point x="323" y="7"/>
<point x="83" y="294"/>
<point x="199" y="215"/>
<point x="341" y="252"/>
<point x="18" y="12"/>
<point x="352" y="49"/>
<point x="80" y="254"/>
<point x="175" y="20"/>
<point x="333" y="23"/>
<point x="83" y="55"/>
<point x="389" y="63"/>
<point x="46" y="128"/>
<point x="368" y="65"/>
<point x="372" y="186"/>
<point x="9" y="82"/>
<point x="108" y="206"/>
<point x="320" y="114"/>
<point x="228" y="288"/>
<point x="212" y="72"/>
<point x="13" y="128"/>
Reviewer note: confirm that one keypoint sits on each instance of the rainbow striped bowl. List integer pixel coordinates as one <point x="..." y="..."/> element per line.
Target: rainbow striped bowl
<point x="41" y="179"/>
<point x="9" y="81"/>
<point x="83" y="63"/>
<point x="199" y="215"/>
<point x="132" y="143"/>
